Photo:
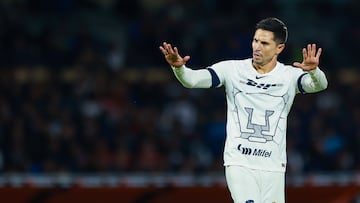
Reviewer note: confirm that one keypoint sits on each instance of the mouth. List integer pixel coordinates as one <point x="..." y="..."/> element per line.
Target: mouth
<point x="256" y="55"/>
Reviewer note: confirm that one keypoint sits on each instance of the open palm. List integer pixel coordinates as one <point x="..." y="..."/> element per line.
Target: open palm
<point x="311" y="58"/>
<point x="172" y="55"/>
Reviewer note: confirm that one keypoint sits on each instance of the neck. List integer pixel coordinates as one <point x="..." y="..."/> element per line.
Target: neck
<point x="265" y="68"/>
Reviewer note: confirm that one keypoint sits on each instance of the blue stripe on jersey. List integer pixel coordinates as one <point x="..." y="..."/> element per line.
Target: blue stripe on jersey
<point x="302" y="91"/>
<point x="215" y="81"/>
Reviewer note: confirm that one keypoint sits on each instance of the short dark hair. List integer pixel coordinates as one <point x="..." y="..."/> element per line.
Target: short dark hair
<point x="276" y="26"/>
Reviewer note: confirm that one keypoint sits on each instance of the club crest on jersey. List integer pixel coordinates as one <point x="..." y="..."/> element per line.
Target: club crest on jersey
<point x="257" y="135"/>
<point x="258" y="125"/>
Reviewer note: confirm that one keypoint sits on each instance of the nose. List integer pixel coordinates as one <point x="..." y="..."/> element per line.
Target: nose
<point x="256" y="46"/>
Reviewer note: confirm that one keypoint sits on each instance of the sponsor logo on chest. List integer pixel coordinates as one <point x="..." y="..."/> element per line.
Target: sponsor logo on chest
<point x="254" y="151"/>
<point x="260" y="85"/>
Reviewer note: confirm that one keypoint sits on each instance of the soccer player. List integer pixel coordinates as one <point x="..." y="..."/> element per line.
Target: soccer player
<point x="259" y="92"/>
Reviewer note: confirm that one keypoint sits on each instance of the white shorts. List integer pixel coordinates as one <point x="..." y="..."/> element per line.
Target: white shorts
<point x="255" y="186"/>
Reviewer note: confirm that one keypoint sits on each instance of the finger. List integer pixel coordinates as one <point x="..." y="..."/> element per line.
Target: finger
<point x="304" y="54"/>
<point x="170" y="49"/>
<point x="313" y="50"/>
<point x="165" y="45"/>
<point x="318" y="53"/>
<point x="309" y="50"/>
<point x="176" y="51"/>
<point x="163" y="50"/>
<point x="186" y="58"/>
<point x="297" y="64"/>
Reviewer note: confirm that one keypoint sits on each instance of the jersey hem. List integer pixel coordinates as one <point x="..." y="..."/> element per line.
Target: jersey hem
<point x="256" y="168"/>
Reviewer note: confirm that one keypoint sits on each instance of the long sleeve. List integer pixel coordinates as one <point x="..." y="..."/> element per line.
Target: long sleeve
<point x="190" y="78"/>
<point x="314" y="81"/>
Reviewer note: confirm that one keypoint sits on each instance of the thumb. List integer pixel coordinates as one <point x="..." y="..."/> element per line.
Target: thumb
<point x="297" y="64"/>
<point x="186" y="58"/>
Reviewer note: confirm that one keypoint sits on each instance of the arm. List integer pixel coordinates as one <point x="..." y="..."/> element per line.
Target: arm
<point x="315" y="80"/>
<point x="188" y="78"/>
<point x="193" y="78"/>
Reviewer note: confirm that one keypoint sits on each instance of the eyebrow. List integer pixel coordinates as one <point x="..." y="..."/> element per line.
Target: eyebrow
<point x="262" y="42"/>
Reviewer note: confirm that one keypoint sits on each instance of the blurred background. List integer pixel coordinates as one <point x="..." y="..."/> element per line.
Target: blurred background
<point x="85" y="89"/>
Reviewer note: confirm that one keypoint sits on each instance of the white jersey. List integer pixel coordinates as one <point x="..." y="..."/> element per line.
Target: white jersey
<point x="257" y="107"/>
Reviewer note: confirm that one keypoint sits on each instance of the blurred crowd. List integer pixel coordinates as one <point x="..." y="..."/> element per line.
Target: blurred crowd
<point x="84" y="87"/>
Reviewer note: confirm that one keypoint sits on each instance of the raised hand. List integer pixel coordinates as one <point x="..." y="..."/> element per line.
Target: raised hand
<point x="172" y="55"/>
<point x="310" y="58"/>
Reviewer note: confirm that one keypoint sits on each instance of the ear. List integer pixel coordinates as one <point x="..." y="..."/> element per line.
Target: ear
<point x="280" y="48"/>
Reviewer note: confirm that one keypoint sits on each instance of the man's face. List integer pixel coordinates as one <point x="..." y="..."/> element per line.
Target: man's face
<point x="264" y="47"/>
